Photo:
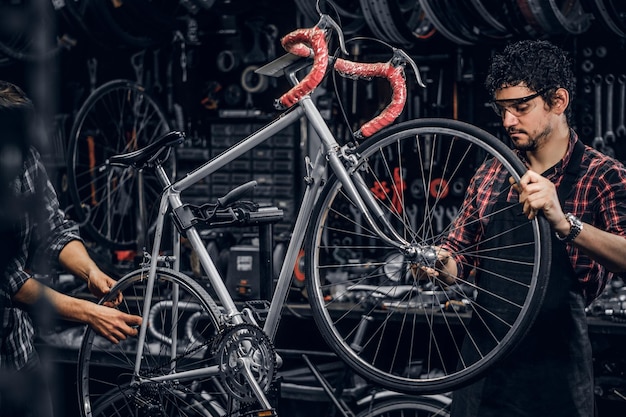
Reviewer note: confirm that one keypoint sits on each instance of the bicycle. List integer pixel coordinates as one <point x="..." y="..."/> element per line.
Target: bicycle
<point x="371" y="213"/>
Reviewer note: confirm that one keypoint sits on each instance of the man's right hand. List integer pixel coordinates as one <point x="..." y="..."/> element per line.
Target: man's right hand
<point x="445" y="269"/>
<point x="113" y="324"/>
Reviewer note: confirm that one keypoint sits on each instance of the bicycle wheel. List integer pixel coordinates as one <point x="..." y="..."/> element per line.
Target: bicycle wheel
<point x="189" y="404"/>
<point x="105" y="370"/>
<point x="401" y="332"/>
<point x="409" y="406"/>
<point x="115" y="204"/>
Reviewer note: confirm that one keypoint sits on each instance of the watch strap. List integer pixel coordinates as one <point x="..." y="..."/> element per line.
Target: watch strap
<point x="576" y="226"/>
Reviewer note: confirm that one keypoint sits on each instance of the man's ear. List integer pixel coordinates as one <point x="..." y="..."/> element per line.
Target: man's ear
<point x="560" y="100"/>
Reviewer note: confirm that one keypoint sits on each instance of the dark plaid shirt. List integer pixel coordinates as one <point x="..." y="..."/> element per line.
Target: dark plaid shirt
<point x="33" y="226"/>
<point x="598" y="198"/>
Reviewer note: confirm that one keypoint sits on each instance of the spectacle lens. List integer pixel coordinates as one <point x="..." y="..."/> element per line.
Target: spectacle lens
<point x="516" y="106"/>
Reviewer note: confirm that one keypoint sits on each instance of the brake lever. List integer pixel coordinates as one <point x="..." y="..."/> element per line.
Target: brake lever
<point x="400" y="57"/>
<point x="326" y="22"/>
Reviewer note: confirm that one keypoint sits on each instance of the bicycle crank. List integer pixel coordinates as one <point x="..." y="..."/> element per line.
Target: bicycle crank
<point x="247" y="362"/>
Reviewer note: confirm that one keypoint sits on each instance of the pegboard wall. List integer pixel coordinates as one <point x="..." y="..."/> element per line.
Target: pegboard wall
<point x="197" y="60"/>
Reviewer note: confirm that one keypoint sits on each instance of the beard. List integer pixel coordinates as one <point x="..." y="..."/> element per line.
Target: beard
<point x="534" y="141"/>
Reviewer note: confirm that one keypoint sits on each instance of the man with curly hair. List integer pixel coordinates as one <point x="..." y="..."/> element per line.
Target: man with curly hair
<point x="582" y="194"/>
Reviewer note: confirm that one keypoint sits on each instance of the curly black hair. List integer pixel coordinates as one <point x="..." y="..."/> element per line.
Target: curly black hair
<point x="538" y="64"/>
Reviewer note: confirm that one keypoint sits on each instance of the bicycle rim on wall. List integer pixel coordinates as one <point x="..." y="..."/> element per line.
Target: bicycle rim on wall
<point x="115" y="204"/>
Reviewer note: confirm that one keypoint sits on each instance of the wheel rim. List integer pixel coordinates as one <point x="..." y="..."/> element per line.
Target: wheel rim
<point x="105" y="371"/>
<point x="116" y="205"/>
<point x="412" y="342"/>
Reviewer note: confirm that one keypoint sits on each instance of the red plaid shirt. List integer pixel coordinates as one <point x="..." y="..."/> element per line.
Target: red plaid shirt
<point x="39" y="229"/>
<point x="598" y="198"/>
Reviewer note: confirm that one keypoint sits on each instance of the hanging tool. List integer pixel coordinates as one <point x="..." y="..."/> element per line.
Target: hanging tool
<point x="609" y="135"/>
<point x="137" y="61"/>
<point x="156" y="85"/>
<point x="256" y="54"/>
<point x="92" y="67"/>
<point x="598" y="140"/>
<point x="438" y="213"/>
<point x="620" y="130"/>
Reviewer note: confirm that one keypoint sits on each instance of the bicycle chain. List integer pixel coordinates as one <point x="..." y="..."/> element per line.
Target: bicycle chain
<point x="217" y="343"/>
<point x="157" y="369"/>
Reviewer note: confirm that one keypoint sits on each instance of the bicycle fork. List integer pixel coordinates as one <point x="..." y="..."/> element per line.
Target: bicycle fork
<point x="353" y="183"/>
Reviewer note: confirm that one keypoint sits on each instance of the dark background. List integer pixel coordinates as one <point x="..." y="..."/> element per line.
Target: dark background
<point x="174" y="48"/>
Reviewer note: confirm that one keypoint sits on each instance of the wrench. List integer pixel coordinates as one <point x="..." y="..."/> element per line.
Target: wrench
<point x="156" y="71"/>
<point x="438" y="214"/>
<point x="411" y="212"/>
<point x="609" y="135"/>
<point x="620" y="131"/>
<point x="428" y="150"/>
<point x="451" y="213"/>
<point x="255" y="54"/>
<point x="417" y="189"/>
<point x="92" y="67"/>
<point x="271" y="34"/>
<point x="137" y="61"/>
<point x="598" y="140"/>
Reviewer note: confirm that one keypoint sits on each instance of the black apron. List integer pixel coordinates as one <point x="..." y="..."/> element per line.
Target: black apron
<point x="550" y="373"/>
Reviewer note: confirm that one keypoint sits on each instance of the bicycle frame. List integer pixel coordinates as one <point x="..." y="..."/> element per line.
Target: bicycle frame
<point x="353" y="215"/>
<point x="330" y="154"/>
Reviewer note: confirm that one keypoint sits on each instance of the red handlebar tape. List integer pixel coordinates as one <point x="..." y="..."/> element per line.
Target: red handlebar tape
<point x="312" y="42"/>
<point x="304" y="42"/>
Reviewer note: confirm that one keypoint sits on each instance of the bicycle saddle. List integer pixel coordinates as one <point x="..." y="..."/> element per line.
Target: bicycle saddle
<point x="148" y="154"/>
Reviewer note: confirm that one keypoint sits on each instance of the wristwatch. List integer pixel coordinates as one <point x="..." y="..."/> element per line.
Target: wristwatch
<point x="576" y="228"/>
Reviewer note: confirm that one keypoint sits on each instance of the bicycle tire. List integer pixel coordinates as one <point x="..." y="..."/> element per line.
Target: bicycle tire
<point x="104" y="370"/>
<point x="192" y="404"/>
<point x="418" y="170"/>
<point x="408" y="406"/>
<point x="119" y="116"/>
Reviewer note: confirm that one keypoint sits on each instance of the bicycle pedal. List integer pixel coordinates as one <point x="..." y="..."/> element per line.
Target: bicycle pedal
<point x="260" y="309"/>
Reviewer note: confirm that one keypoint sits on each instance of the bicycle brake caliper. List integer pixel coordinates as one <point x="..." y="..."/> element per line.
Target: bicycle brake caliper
<point x="348" y="155"/>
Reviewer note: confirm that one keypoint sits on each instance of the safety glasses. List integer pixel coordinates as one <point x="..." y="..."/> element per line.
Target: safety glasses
<point x="516" y="106"/>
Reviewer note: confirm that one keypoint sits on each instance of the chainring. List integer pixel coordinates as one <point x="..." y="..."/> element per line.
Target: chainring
<point x="240" y="343"/>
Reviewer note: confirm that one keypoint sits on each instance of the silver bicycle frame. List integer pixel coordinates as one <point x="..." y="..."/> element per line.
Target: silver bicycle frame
<point x="328" y="154"/>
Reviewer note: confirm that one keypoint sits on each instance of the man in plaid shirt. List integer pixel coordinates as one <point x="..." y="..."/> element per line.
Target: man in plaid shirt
<point x="582" y="194"/>
<point x="32" y="225"/>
